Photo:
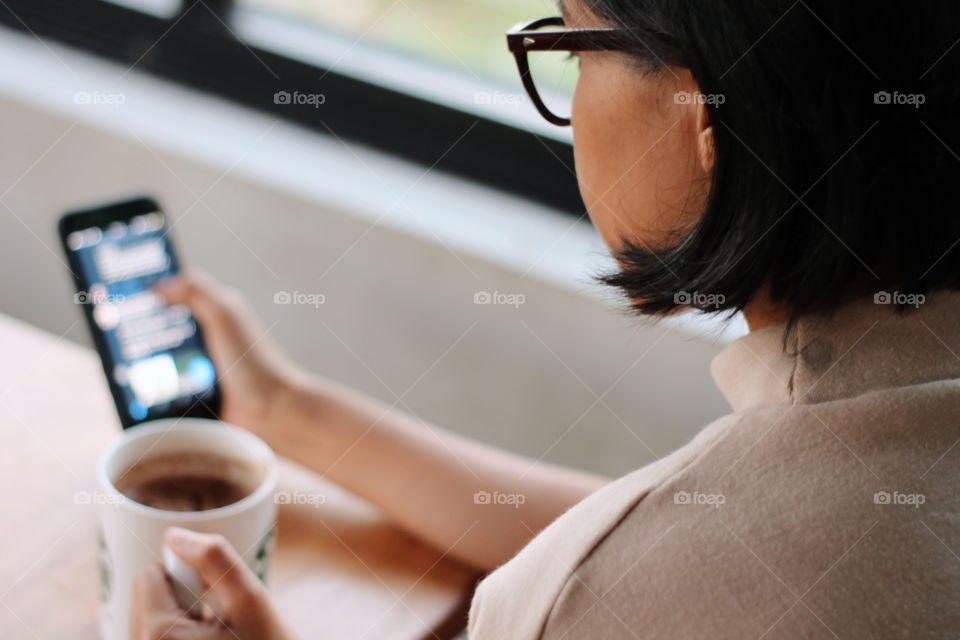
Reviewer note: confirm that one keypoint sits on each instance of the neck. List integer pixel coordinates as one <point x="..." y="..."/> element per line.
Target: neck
<point x="762" y="312"/>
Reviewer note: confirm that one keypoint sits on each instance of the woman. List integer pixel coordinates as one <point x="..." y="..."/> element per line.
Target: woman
<point x="793" y="160"/>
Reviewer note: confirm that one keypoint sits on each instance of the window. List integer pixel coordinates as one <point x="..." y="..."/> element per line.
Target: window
<point x="429" y="80"/>
<point x="159" y="8"/>
<point x="465" y="35"/>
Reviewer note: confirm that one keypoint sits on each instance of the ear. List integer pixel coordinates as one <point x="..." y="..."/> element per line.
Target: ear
<point x="706" y="150"/>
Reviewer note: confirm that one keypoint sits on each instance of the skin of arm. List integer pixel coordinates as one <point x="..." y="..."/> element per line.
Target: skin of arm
<point x="424" y="478"/>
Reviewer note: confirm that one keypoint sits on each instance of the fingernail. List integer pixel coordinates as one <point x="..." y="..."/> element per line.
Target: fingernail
<point x="165" y="283"/>
<point x="179" y="539"/>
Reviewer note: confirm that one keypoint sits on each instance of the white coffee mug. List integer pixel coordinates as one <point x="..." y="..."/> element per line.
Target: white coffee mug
<point x="132" y="534"/>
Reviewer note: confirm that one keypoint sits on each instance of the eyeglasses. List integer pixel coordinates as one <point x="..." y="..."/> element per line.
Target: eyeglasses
<point x="549" y="53"/>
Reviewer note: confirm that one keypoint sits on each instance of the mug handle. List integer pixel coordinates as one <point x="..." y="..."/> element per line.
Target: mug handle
<point x="187" y="586"/>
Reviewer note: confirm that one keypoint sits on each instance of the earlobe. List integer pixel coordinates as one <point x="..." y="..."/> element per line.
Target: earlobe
<point x="706" y="149"/>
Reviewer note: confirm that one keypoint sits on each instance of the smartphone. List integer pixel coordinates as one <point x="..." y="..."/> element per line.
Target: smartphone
<point x="153" y="354"/>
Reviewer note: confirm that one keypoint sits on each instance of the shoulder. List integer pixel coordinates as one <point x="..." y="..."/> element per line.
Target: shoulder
<point x="542" y="568"/>
<point x="796" y="522"/>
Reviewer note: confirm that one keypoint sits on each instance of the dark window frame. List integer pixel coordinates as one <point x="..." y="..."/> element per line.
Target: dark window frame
<point x="197" y="49"/>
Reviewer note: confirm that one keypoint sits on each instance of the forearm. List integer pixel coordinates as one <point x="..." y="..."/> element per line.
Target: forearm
<point x="424" y="478"/>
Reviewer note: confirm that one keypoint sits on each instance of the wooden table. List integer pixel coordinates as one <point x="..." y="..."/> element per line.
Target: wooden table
<point x="340" y="570"/>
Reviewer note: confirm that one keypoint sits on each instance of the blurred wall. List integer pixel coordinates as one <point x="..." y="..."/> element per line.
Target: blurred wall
<point x="564" y="376"/>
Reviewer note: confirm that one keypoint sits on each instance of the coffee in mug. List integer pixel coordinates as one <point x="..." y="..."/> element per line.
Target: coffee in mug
<point x="188" y="481"/>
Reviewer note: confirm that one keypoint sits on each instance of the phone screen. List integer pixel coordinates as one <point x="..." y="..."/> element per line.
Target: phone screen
<point x="153" y="353"/>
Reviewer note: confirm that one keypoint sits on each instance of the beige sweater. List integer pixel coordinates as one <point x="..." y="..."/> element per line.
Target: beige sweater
<point x="826" y="506"/>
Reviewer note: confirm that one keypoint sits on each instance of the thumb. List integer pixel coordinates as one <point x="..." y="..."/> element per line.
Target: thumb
<point x="222" y="570"/>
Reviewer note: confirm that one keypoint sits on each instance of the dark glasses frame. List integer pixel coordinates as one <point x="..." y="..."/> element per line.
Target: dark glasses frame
<point x="526" y="37"/>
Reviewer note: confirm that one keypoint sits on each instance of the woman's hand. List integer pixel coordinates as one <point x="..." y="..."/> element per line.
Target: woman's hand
<point x="255" y="376"/>
<point x="237" y="604"/>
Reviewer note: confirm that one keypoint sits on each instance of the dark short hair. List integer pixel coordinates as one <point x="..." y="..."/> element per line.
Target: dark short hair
<point x="837" y="141"/>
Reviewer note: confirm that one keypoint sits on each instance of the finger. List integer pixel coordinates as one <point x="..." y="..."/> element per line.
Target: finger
<point x="195" y="289"/>
<point x="221" y="569"/>
<point x="219" y="311"/>
<point x="181" y="288"/>
<point x="153" y="604"/>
